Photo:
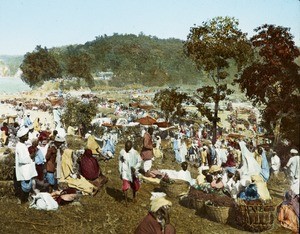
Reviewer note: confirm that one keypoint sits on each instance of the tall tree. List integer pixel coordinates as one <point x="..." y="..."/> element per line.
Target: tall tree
<point x="79" y="113"/>
<point x="213" y="46"/>
<point x="39" y="66"/>
<point x="170" y="102"/>
<point x="79" y="65"/>
<point x="274" y="81"/>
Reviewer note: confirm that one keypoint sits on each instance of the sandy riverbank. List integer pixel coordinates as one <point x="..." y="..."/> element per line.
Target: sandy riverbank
<point x="7" y="110"/>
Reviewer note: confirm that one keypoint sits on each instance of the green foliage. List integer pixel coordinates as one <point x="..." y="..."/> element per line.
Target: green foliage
<point x="79" y="113"/>
<point x="274" y="80"/>
<point x="79" y="64"/>
<point x="39" y="66"/>
<point x="141" y="60"/>
<point x="170" y="102"/>
<point x="133" y="60"/>
<point x="213" y="46"/>
<point x="7" y="167"/>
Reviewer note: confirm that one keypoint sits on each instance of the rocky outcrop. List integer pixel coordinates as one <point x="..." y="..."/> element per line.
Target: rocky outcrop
<point x="4" y="69"/>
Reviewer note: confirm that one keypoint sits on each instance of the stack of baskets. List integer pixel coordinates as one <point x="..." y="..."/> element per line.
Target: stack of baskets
<point x="255" y="217"/>
<point x="218" y="214"/>
<point x="174" y="188"/>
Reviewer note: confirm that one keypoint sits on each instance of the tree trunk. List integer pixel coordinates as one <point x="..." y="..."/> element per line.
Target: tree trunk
<point x="277" y="131"/>
<point x="214" y="139"/>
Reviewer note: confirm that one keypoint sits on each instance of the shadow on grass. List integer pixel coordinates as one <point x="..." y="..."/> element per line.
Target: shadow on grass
<point x="115" y="193"/>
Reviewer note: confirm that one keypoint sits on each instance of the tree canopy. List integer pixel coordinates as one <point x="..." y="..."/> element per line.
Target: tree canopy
<point x="39" y="66"/>
<point x="79" y="113"/>
<point x="170" y="102"/>
<point x="213" y="46"/>
<point x="273" y="80"/>
<point x="132" y="59"/>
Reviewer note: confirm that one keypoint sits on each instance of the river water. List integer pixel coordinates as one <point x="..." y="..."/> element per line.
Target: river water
<point x="9" y="85"/>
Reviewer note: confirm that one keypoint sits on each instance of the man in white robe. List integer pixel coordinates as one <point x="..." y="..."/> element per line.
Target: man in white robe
<point x="129" y="163"/>
<point x="292" y="168"/>
<point x="25" y="166"/>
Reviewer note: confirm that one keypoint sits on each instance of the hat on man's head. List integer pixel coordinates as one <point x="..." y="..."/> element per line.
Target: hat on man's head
<point x="294" y="151"/>
<point x="58" y="138"/>
<point x="157" y="203"/>
<point x="215" y="168"/>
<point x="205" y="168"/>
<point x="22" y="131"/>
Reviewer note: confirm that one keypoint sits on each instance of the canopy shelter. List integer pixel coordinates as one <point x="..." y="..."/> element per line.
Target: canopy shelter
<point x="147" y="120"/>
<point x="235" y="135"/>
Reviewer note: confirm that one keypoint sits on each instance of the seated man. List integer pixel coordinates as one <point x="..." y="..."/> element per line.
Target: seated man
<point x="158" y="218"/>
<point x="206" y="185"/>
<point x="108" y="149"/>
<point x="183" y="174"/>
<point x="72" y="177"/>
<point x="89" y="168"/>
<point x="203" y="171"/>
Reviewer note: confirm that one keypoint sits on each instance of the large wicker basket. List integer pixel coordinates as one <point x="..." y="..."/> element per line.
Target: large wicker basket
<point x="255" y="217"/>
<point x="199" y="205"/>
<point x="175" y="188"/>
<point x="218" y="214"/>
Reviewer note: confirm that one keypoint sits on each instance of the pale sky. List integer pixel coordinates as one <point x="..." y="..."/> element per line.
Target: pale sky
<point x="52" y="23"/>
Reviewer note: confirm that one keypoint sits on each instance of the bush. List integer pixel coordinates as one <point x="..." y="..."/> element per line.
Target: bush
<point x="7" y="167"/>
<point x="78" y="113"/>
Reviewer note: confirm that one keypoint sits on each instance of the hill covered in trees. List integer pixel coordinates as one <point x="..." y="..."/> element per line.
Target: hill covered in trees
<point x="133" y="59"/>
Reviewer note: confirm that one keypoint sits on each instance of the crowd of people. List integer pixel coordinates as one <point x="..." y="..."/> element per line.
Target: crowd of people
<point x="237" y="167"/>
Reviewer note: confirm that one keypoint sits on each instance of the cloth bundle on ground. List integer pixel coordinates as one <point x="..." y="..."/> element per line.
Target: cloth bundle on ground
<point x="179" y="175"/>
<point x="262" y="188"/>
<point x="250" y="193"/>
<point x="93" y="145"/>
<point x="69" y="176"/>
<point x="65" y="196"/>
<point x="43" y="201"/>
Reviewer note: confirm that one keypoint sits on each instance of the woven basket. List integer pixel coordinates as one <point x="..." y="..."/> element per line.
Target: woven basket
<point x="218" y="214"/>
<point x="176" y="188"/>
<point x="199" y="205"/>
<point x="255" y="217"/>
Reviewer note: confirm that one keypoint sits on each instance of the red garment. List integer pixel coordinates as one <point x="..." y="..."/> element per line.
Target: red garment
<point x="147" y="150"/>
<point x="44" y="135"/>
<point x="32" y="149"/>
<point x="149" y="225"/>
<point x="40" y="171"/>
<point x="135" y="185"/>
<point x="88" y="166"/>
<point x="51" y="159"/>
<point x="230" y="161"/>
<point x="5" y="129"/>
